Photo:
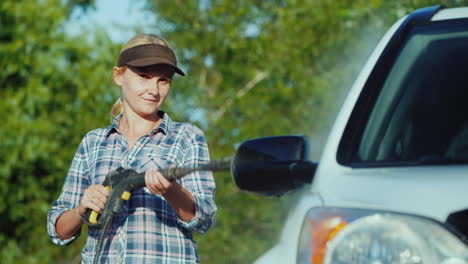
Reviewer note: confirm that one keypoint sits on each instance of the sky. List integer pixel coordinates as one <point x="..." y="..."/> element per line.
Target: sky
<point x="118" y="17"/>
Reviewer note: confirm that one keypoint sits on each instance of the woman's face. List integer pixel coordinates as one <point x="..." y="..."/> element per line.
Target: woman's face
<point x="144" y="89"/>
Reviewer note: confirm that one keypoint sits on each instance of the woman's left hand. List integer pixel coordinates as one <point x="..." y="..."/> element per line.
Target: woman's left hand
<point x="181" y="200"/>
<point x="156" y="183"/>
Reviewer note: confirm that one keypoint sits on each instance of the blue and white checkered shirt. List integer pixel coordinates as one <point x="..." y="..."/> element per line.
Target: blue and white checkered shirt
<point x="147" y="230"/>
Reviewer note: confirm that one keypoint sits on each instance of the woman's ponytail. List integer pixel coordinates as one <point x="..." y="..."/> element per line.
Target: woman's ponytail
<point x="117" y="108"/>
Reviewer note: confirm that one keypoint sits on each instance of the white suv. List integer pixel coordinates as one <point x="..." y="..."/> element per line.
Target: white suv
<point x="392" y="184"/>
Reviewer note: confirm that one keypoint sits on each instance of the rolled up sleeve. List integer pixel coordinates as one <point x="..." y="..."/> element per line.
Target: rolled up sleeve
<point x="201" y="185"/>
<point x="76" y="182"/>
<point x="52" y="218"/>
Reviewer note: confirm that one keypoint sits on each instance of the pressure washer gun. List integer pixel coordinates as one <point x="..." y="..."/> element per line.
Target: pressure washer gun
<point x="121" y="182"/>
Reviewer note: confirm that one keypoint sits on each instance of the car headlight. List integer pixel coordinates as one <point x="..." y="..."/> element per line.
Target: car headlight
<point x="358" y="236"/>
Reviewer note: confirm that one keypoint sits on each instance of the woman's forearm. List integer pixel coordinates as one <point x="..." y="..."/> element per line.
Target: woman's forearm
<point x="68" y="224"/>
<point x="182" y="201"/>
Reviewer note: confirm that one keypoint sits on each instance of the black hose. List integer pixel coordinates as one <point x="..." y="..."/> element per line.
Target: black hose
<point x="101" y="240"/>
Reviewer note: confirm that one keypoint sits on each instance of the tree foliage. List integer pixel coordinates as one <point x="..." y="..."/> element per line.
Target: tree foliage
<point x="255" y="68"/>
<point x="47" y="80"/>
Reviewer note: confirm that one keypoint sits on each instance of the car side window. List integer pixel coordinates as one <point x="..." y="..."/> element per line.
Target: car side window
<point x="421" y="113"/>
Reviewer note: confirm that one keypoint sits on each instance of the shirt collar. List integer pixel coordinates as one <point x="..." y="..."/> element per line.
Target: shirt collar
<point x="165" y="127"/>
<point x="114" y="127"/>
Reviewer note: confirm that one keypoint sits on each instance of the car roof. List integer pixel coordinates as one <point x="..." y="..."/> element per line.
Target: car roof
<point x="451" y="13"/>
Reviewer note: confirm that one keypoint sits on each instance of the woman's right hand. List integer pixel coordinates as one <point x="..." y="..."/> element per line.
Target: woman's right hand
<point x="94" y="198"/>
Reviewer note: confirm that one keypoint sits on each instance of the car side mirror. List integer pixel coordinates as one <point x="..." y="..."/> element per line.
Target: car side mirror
<point x="273" y="166"/>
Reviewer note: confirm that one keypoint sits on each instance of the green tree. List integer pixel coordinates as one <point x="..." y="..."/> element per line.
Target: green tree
<point x="52" y="87"/>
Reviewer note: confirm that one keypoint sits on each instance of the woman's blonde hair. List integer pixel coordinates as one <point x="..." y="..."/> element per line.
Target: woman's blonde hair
<point x="137" y="40"/>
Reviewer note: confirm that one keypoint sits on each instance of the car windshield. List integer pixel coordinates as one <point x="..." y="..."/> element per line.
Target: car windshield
<point x="421" y="113"/>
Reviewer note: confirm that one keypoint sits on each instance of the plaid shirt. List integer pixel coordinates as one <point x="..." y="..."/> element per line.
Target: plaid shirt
<point x="147" y="230"/>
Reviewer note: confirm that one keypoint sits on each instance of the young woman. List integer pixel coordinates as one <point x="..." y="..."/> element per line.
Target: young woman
<point x="156" y="224"/>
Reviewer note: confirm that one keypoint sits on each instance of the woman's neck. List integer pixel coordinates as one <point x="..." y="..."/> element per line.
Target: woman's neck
<point x="135" y="126"/>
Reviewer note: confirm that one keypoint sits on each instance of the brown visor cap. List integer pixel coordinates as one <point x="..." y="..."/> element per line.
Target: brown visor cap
<point x="149" y="54"/>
